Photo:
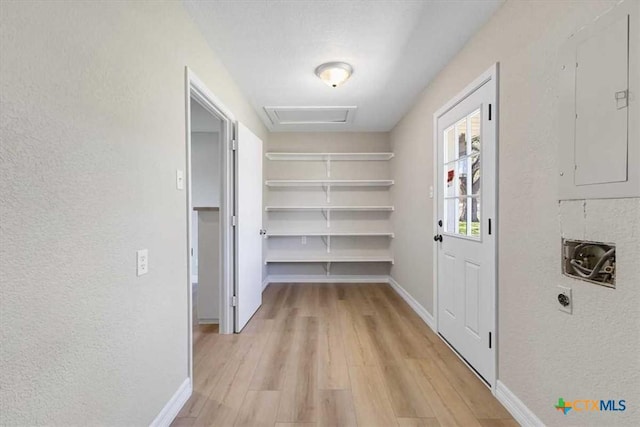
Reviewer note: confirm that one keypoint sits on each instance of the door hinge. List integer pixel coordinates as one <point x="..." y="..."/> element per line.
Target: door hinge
<point x="234" y="145"/>
<point x="234" y="301"/>
<point x="489" y="111"/>
<point x="191" y="251"/>
<point x="489" y="228"/>
<point x="489" y="339"/>
<point x="234" y="221"/>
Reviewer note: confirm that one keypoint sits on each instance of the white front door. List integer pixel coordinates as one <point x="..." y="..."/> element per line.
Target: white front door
<point x="248" y="284"/>
<point x="466" y="229"/>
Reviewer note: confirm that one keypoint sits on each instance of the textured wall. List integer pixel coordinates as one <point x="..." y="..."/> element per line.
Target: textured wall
<point x="92" y="120"/>
<point x="543" y="353"/>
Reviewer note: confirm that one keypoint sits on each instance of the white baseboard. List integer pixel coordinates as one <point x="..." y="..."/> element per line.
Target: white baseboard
<point x="173" y="406"/>
<point x="518" y="410"/>
<point x="321" y="278"/>
<point x="206" y="321"/>
<point x="415" y="305"/>
<point x="265" y="283"/>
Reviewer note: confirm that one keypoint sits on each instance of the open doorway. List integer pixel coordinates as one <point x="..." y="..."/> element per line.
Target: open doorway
<point x="205" y="188"/>
<point x="224" y="216"/>
<point x="210" y="176"/>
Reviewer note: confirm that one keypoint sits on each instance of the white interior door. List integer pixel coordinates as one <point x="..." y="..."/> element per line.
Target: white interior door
<point x="466" y="138"/>
<point x="248" y="284"/>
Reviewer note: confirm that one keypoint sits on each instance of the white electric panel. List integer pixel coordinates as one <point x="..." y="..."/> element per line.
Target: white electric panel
<point x="598" y="108"/>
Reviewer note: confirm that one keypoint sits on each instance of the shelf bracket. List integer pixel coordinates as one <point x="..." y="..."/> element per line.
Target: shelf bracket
<point x="327" y="191"/>
<point x="327" y="241"/>
<point x="327" y="268"/>
<point x="328" y="163"/>
<point x="326" y="213"/>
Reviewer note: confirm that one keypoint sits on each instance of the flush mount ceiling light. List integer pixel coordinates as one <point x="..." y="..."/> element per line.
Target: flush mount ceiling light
<point x="334" y="73"/>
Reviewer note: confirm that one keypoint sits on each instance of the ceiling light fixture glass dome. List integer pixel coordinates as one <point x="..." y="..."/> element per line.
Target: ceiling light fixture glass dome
<point x="334" y="73"/>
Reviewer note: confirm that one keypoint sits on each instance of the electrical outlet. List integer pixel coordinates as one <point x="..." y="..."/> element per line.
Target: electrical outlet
<point x="303" y="240"/>
<point x="565" y="299"/>
<point x="142" y="261"/>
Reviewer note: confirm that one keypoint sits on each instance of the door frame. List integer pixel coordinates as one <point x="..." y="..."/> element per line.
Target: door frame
<point x="490" y="75"/>
<point x="196" y="89"/>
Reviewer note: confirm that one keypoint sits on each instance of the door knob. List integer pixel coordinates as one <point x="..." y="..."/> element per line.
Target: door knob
<point x="437" y="238"/>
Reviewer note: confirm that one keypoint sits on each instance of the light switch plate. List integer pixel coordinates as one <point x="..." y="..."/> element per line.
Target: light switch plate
<point x="179" y="179"/>
<point x="142" y="257"/>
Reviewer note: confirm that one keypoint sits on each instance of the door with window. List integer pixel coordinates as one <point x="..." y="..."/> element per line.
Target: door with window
<point x="466" y="225"/>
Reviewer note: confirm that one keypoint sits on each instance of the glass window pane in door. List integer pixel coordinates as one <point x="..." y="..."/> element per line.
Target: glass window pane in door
<point x="475" y="131"/>
<point x="450" y="179"/>
<point x="462" y="216"/>
<point x="450" y="215"/>
<point x="475" y="175"/>
<point x="462" y="169"/>
<point x="450" y="145"/>
<point x="461" y="137"/>
<point x="475" y="211"/>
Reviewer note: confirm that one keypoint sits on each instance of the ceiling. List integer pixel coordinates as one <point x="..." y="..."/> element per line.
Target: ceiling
<point x="271" y="48"/>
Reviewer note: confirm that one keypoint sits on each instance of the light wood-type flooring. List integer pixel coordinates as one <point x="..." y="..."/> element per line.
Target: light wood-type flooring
<point x="334" y="355"/>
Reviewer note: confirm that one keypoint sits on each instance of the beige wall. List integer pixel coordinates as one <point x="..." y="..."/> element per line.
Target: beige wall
<point x="92" y="122"/>
<point x="543" y="353"/>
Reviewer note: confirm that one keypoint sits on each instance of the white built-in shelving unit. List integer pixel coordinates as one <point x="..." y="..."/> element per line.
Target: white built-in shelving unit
<point x="329" y="182"/>
<point x="336" y="157"/>
<point x="328" y="208"/>
<point x="342" y="232"/>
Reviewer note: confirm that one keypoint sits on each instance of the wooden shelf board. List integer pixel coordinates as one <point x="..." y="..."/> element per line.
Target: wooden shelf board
<point x="325" y="182"/>
<point x="287" y="156"/>
<point x="330" y="233"/>
<point x="328" y="208"/>
<point x="327" y="258"/>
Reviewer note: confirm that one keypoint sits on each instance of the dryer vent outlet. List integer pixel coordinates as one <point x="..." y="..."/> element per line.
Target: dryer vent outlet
<point x="593" y="262"/>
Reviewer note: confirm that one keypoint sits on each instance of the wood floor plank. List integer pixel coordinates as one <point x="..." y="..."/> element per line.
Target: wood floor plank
<point x="295" y="424"/>
<point x="334" y="355"/>
<point x="498" y="423"/>
<point x="210" y="369"/>
<point x="418" y="422"/>
<point x="271" y="370"/>
<point x="336" y="409"/>
<point x="332" y="362"/>
<point x="299" y="392"/>
<point x="258" y="409"/>
<point x="384" y="344"/>
<point x="405" y="337"/>
<point x="370" y="398"/>
<point x="472" y="390"/>
<point x="406" y="397"/>
<point x="448" y="397"/>
<point x="183" y="422"/>
<point x="357" y="344"/>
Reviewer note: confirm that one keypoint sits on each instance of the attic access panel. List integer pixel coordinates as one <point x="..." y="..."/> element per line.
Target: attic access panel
<point x="283" y="118"/>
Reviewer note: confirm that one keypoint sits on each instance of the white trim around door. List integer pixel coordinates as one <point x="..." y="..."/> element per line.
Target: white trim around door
<point x="197" y="90"/>
<point x="488" y="83"/>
